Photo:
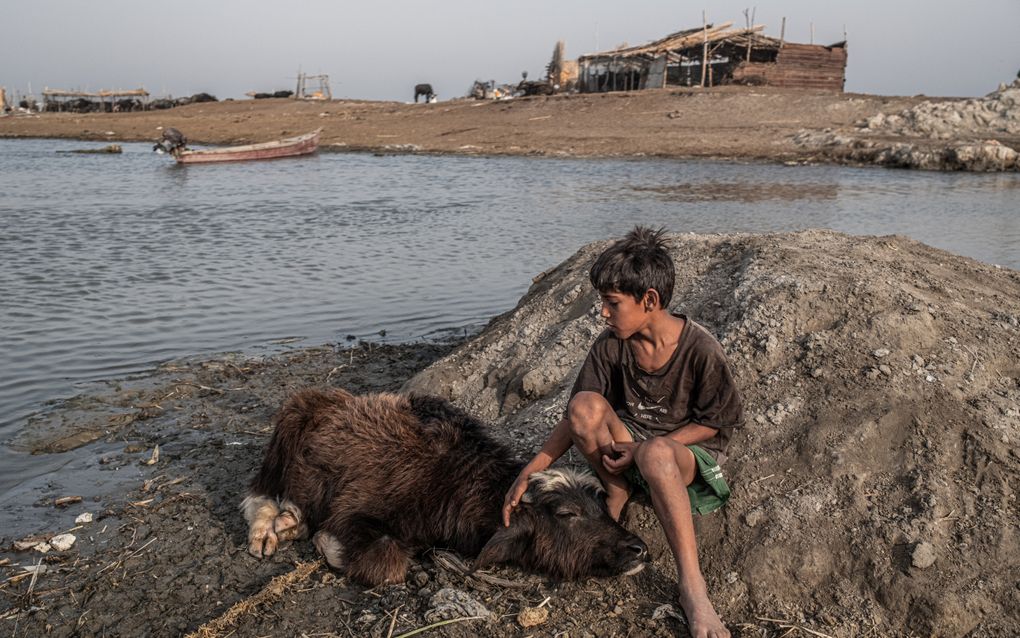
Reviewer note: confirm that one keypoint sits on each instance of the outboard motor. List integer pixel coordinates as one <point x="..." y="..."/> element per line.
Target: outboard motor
<point x="171" y="142"/>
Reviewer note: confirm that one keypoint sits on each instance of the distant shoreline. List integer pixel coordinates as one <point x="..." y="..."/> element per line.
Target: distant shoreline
<point x="761" y="124"/>
<point x="735" y="123"/>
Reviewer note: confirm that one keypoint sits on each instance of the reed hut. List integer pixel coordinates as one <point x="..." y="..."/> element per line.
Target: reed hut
<point x="714" y="55"/>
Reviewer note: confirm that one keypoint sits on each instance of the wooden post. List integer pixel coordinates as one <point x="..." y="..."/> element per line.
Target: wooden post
<point x="711" y="70"/>
<point x="704" y="47"/>
<point x="750" y="36"/>
<point x="782" y="33"/>
<point x="747" y="25"/>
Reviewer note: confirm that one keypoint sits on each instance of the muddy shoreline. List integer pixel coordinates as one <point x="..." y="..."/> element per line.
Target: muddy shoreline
<point x="766" y="124"/>
<point x="880" y="384"/>
<point x="162" y="552"/>
<point x="733" y="123"/>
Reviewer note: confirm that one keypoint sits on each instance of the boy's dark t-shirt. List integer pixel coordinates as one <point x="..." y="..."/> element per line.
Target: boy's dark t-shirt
<point x="695" y="386"/>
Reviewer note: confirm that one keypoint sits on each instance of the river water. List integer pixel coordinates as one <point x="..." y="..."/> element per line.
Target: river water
<point x="110" y="264"/>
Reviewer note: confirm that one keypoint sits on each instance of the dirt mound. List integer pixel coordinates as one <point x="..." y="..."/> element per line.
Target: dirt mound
<point x="980" y="134"/>
<point x="875" y="481"/>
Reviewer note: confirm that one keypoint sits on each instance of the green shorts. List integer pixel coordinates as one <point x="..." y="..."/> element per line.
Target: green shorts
<point x="707" y="492"/>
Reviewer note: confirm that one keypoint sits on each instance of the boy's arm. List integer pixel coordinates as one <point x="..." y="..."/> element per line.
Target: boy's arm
<point x="555" y="446"/>
<point x="692" y="434"/>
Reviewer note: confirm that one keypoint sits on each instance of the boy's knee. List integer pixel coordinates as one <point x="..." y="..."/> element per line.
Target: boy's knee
<point x="658" y="457"/>
<point x="654" y="453"/>
<point x="586" y="412"/>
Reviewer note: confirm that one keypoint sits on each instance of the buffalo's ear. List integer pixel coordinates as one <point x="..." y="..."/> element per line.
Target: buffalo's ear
<point x="507" y="544"/>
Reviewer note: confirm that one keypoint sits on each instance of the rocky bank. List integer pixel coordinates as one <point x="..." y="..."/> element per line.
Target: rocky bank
<point x="978" y="134"/>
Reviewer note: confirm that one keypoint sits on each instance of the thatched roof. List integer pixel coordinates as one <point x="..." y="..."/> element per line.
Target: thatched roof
<point x="688" y="39"/>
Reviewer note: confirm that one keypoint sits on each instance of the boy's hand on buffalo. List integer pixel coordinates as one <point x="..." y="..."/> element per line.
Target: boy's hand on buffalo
<point x="514" y="494"/>
<point x="621" y="458"/>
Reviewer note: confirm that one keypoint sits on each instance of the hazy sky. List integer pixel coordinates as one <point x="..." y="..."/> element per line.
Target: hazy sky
<point x="380" y="49"/>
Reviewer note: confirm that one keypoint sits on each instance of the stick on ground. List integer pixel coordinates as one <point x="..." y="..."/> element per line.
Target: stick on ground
<point x="270" y="593"/>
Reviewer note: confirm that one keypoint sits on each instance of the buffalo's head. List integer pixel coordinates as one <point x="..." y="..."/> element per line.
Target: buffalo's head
<point x="562" y="528"/>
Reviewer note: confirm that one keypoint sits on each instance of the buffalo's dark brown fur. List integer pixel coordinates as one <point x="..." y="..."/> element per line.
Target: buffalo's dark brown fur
<point x="381" y="477"/>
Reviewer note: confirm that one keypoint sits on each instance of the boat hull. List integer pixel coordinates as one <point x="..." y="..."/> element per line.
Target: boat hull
<point x="291" y="147"/>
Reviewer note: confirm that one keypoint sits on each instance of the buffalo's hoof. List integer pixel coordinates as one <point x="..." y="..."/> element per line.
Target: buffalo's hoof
<point x="262" y="540"/>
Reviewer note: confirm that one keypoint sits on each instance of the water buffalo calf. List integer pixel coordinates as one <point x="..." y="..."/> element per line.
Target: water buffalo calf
<point x="379" y="478"/>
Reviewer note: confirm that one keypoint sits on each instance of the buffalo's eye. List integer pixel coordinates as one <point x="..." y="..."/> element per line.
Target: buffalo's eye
<point x="566" y="513"/>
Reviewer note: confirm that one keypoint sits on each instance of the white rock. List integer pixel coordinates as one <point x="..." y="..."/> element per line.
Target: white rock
<point x="84" y="517"/>
<point x="667" y="611"/>
<point x="62" y="542"/>
<point x="453" y="603"/>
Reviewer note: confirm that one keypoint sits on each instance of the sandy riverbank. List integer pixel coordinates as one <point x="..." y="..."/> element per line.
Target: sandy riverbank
<point x="731" y="123"/>
<point x="736" y="123"/>
<point x="875" y="481"/>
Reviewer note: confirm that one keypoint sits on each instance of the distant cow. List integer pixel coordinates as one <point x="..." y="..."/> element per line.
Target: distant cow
<point x="423" y="89"/>
<point x="379" y="478"/>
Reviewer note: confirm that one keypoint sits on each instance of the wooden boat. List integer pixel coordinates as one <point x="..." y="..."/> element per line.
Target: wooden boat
<point x="289" y="147"/>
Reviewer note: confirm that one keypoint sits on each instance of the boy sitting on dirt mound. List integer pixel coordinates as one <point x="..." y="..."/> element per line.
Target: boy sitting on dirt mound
<point x="654" y="405"/>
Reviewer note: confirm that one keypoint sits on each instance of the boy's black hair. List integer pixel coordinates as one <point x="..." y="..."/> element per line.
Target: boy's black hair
<point x="634" y="264"/>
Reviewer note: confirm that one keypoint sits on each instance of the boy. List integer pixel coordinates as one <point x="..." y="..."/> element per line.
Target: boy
<point x="655" y="404"/>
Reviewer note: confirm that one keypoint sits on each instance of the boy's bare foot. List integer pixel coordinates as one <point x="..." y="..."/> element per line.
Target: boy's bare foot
<point x="702" y="621"/>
